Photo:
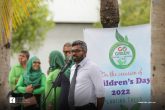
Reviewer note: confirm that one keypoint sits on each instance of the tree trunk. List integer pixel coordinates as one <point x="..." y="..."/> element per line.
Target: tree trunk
<point x="4" y="70"/>
<point x="4" y="56"/>
<point x="109" y="13"/>
<point x="158" y="54"/>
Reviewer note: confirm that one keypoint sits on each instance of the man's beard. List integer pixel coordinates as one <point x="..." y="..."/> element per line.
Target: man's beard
<point x="79" y="59"/>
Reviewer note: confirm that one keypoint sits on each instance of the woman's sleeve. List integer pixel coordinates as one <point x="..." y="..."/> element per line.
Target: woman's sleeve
<point x="20" y="88"/>
<point x="42" y="87"/>
<point x="48" y="87"/>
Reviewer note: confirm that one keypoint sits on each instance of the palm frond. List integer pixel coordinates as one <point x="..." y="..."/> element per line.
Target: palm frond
<point x="12" y="14"/>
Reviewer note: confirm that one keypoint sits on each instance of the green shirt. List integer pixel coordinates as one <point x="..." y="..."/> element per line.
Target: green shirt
<point x="51" y="99"/>
<point x="21" y="88"/>
<point x="14" y="75"/>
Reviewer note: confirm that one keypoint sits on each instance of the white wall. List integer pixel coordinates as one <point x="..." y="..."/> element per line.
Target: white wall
<point x="77" y="11"/>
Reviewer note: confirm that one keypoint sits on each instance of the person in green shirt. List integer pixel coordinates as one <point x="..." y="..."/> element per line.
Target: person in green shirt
<point x="17" y="70"/>
<point x="56" y="62"/>
<point x="32" y="83"/>
<point x="15" y="73"/>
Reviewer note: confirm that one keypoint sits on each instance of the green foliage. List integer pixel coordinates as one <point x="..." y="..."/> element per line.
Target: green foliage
<point x="97" y="25"/>
<point x="30" y="34"/>
<point x="134" y="12"/>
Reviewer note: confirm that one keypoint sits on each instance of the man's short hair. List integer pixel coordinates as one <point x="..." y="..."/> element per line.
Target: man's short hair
<point x="26" y="53"/>
<point x="68" y="44"/>
<point x="82" y="44"/>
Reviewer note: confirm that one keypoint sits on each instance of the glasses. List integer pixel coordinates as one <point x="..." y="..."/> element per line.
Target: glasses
<point x="67" y="51"/>
<point x="76" y="50"/>
<point x="37" y="62"/>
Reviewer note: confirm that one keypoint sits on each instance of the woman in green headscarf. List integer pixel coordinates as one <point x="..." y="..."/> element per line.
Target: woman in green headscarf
<point x="56" y="62"/>
<point x="32" y="83"/>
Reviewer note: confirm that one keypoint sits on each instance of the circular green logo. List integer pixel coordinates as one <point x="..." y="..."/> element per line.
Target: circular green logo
<point x="122" y="53"/>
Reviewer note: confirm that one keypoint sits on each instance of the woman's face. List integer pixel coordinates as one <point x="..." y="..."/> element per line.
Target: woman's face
<point x="36" y="65"/>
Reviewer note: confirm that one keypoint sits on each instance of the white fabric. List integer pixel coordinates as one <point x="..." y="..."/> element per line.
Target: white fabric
<point x="89" y="83"/>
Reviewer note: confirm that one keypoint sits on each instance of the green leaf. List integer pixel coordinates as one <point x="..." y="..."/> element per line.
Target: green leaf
<point x="120" y="62"/>
<point x="119" y="37"/>
<point x="126" y="39"/>
<point x="136" y="106"/>
<point x="123" y="107"/>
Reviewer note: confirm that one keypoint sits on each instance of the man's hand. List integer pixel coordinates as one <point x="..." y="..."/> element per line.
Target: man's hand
<point x="16" y="81"/>
<point x="100" y="103"/>
<point x="29" y="89"/>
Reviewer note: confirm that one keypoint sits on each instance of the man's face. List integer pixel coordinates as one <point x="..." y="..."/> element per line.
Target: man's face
<point x="67" y="50"/>
<point x="22" y="58"/>
<point x="78" y="53"/>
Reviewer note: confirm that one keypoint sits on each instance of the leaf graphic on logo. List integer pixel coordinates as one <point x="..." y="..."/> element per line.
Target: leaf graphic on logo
<point x="123" y="107"/>
<point x="120" y="62"/>
<point x="124" y="62"/>
<point x="126" y="39"/>
<point x="136" y="106"/>
<point x="119" y="37"/>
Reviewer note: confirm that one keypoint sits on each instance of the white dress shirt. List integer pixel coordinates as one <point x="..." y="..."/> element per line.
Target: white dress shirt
<point x="89" y="83"/>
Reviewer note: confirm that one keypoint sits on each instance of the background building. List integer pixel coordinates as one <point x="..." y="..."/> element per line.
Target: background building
<point x="71" y="18"/>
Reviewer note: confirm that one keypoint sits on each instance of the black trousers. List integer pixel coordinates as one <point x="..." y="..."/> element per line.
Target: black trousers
<point x="89" y="106"/>
<point x="63" y="101"/>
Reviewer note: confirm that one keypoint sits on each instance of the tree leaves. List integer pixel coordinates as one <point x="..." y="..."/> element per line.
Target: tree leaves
<point x="30" y="34"/>
<point x="134" y="12"/>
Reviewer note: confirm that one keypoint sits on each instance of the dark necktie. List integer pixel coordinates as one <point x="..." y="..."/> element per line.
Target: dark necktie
<point x="72" y="88"/>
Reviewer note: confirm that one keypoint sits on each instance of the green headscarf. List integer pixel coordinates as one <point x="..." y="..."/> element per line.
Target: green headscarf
<point x="56" y="60"/>
<point x="32" y="76"/>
